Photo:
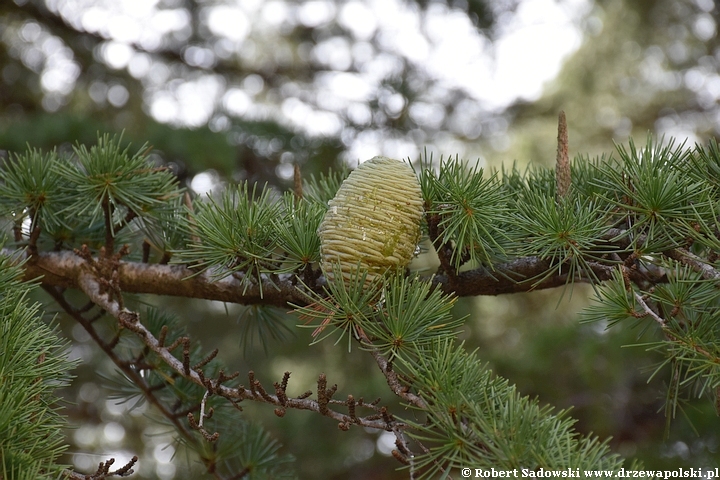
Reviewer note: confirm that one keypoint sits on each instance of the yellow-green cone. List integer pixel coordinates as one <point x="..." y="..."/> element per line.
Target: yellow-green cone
<point x="373" y="222"/>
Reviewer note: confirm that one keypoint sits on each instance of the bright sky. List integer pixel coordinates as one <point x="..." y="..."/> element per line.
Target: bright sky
<point x="529" y="51"/>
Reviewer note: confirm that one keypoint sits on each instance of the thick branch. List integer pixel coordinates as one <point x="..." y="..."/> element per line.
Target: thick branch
<point x="63" y="269"/>
<point x="519" y="275"/>
<point x="694" y="262"/>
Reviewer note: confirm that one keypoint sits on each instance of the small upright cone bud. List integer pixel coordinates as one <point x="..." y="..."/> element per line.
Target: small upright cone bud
<point x="562" y="165"/>
<point x="373" y="223"/>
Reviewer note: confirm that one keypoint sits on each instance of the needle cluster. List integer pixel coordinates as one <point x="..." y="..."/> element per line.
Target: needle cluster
<point x="641" y="225"/>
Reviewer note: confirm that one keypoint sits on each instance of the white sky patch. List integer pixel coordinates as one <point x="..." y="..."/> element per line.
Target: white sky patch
<point x="114" y="432"/>
<point x="527" y="53"/>
<point x="359" y="19"/>
<point x="197" y="100"/>
<point x="204" y="182"/>
<point x="315" y="13"/>
<point x="539" y="39"/>
<point x="236" y="101"/>
<point x="346" y="85"/>
<point x="400" y="29"/>
<point x="229" y="22"/>
<point x="315" y="122"/>
<point x="386" y="443"/>
<point x="274" y="13"/>
<point x="164" y="453"/>
<point x="164" y="108"/>
<point x="164" y="21"/>
<point x="124" y="28"/>
<point x="529" y="50"/>
<point x="189" y="103"/>
<point x="117" y="54"/>
<point x="370" y="143"/>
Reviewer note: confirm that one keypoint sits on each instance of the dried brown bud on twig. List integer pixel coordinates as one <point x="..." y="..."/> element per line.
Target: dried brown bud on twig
<point x="562" y="166"/>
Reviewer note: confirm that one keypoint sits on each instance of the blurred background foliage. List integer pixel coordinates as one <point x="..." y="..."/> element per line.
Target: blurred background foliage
<point x="226" y="91"/>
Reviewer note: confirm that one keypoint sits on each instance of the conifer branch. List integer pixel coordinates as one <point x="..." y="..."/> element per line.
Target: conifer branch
<point x="130" y="320"/>
<point x="103" y="472"/>
<point x="628" y="224"/>
<point x="648" y="310"/>
<point x="63" y="269"/>
<point x="132" y="373"/>
<point x="696" y="263"/>
<point x="393" y="380"/>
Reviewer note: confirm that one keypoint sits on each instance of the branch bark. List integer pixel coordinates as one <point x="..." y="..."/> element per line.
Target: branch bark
<point x="64" y="269"/>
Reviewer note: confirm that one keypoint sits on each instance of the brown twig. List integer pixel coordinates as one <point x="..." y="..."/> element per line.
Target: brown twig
<point x="393" y="380"/>
<point x="103" y="471"/>
<point x="131" y="373"/>
<point x="130" y="321"/>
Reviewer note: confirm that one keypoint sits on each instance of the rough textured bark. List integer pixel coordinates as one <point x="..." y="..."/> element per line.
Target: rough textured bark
<point x="64" y="269"/>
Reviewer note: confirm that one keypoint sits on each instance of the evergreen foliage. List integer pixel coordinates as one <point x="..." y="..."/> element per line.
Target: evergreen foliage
<point x="235" y="234"/>
<point x="33" y="364"/>
<point x="469" y="210"/>
<point x="475" y="418"/>
<point x="641" y="227"/>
